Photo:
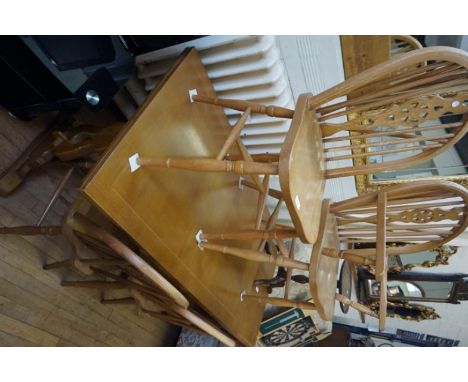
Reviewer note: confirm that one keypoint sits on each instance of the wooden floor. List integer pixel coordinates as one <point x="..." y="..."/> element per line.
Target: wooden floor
<point x="34" y="309"/>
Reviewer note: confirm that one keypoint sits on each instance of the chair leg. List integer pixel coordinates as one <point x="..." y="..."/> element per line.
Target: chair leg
<point x="353" y="258"/>
<point x="271" y="222"/>
<point x="121" y="301"/>
<point x="245" y="155"/>
<point x="356" y="259"/>
<point x="249" y="235"/>
<point x="211" y="165"/>
<point x="233" y="135"/>
<point x="276" y="282"/>
<point x="262" y="201"/>
<point x="58" y="264"/>
<point x="260" y="257"/>
<point x="55" y="195"/>
<point x="272" y="111"/>
<point x="105" y="262"/>
<point x="289" y="270"/>
<point x="271" y="192"/>
<point x="277" y="301"/>
<point x="97" y="284"/>
<point x="359" y="307"/>
<point x="264" y="158"/>
<point x="176" y="321"/>
<point x="123" y="281"/>
<point x="29" y="230"/>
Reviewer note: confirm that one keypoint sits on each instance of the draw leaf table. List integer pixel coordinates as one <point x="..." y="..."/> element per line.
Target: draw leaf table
<point x="162" y="209"/>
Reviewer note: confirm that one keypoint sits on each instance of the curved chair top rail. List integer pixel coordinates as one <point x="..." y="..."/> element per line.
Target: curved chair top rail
<point x="389" y="113"/>
<point x="390" y="68"/>
<point x="403" y="43"/>
<point x="179" y="304"/>
<point x="421" y="214"/>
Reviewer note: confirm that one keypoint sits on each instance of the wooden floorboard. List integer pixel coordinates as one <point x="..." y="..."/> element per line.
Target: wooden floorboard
<point x="7" y="339"/>
<point x="34" y="309"/>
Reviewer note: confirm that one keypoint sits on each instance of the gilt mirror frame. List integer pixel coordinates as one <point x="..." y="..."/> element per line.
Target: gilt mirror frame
<point x="365" y="183"/>
<point x="442" y="257"/>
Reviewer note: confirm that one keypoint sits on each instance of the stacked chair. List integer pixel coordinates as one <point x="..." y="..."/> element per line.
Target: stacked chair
<point x="115" y="265"/>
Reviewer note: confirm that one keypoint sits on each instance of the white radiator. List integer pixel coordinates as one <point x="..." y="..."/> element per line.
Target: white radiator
<point x="239" y="67"/>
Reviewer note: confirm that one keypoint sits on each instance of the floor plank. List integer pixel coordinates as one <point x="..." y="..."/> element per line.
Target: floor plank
<point x="27" y="332"/>
<point x="7" y="339"/>
<point x="34" y="309"/>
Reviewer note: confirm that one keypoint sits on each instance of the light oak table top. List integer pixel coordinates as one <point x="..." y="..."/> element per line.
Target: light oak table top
<point x="162" y="209"/>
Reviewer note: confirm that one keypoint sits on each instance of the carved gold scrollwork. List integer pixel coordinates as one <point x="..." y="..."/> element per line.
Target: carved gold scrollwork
<point x="365" y="183"/>
<point x="444" y="253"/>
<point x="426" y="312"/>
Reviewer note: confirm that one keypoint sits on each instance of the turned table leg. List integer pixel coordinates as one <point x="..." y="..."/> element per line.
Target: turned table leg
<point x="205" y="165"/>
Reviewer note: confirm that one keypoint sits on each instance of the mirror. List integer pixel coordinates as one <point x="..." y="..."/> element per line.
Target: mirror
<point x="413" y="290"/>
<point x="424" y="259"/>
<point x="452" y="164"/>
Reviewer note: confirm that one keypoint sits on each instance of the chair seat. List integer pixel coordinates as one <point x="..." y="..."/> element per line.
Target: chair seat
<point x="302" y="171"/>
<point x="323" y="270"/>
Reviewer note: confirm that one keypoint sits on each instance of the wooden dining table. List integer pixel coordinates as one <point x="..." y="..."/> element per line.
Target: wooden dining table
<point x="162" y="209"/>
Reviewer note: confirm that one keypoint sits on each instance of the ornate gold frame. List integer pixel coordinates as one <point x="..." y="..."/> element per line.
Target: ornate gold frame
<point x="364" y="183"/>
<point x="427" y="312"/>
<point x="444" y="252"/>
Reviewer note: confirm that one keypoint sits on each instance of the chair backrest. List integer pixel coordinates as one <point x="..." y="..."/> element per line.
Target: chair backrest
<point x="175" y="308"/>
<point x="83" y="226"/>
<point x="393" y="112"/>
<point x="419" y="216"/>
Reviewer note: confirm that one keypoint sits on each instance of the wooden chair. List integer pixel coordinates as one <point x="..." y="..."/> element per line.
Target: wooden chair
<point x="79" y="145"/>
<point x="397" y="98"/>
<point x="98" y="252"/>
<point x="152" y="293"/>
<point x="39" y="228"/>
<point x="391" y="103"/>
<point x="418" y="214"/>
<point x="424" y="215"/>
